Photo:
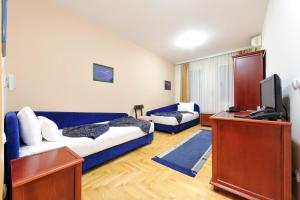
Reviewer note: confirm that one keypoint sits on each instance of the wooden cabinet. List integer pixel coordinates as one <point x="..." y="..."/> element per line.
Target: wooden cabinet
<point x="55" y="174"/>
<point x="249" y="70"/>
<point x="251" y="158"/>
<point x="204" y="119"/>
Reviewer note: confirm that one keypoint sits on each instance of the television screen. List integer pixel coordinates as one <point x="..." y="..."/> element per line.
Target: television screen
<point x="103" y="73"/>
<point x="271" y="96"/>
<point x="268" y="93"/>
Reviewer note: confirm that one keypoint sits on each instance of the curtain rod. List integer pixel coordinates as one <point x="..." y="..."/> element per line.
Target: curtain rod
<point x="213" y="55"/>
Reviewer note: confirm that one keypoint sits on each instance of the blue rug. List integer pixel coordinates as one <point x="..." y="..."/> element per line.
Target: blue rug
<point x="188" y="156"/>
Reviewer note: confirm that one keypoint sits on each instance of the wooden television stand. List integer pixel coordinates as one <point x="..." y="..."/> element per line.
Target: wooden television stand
<point x="251" y="158"/>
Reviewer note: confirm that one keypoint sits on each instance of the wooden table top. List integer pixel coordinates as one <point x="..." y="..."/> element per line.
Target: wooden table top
<point x="230" y="116"/>
<point x="28" y="168"/>
<point x="207" y="113"/>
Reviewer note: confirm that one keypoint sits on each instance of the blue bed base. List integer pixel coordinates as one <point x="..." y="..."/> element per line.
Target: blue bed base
<point x="108" y="154"/>
<point x="67" y="119"/>
<point x="174" y="128"/>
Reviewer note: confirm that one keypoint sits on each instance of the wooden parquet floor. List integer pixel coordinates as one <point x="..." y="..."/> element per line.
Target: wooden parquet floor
<point x="135" y="176"/>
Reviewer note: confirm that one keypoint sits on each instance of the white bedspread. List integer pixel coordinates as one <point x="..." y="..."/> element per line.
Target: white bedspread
<point x="86" y="146"/>
<point x="186" y="117"/>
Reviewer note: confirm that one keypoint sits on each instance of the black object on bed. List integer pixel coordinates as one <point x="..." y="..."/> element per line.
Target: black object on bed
<point x="131" y="121"/>
<point x="176" y="114"/>
<point x="89" y="130"/>
<point x="95" y="130"/>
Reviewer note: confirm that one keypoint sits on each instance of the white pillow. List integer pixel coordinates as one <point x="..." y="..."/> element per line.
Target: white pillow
<point x="189" y="107"/>
<point x="30" y="128"/>
<point x="49" y="129"/>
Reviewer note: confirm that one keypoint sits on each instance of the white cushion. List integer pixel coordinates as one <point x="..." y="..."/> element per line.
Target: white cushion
<point x="49" y="128"/>
<point x="30" y="128"/>
<point x="189" y="107"/>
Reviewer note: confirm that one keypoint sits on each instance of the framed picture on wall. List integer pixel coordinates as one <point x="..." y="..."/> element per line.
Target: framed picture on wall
<point x="103" y="73"/>
<point x="167" y="85"/>
<point x="4" y="27"/>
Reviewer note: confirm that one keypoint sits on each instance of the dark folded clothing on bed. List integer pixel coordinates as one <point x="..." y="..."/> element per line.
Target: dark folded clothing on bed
<point x="176" y="114"/>
<point x="95" y="130"/>
<point x="130" y="121"/>
<point x="88" y="130"/>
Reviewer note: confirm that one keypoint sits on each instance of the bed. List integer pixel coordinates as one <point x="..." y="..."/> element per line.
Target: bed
<point x="114" y="142"/>
<point x="170" y="124"/>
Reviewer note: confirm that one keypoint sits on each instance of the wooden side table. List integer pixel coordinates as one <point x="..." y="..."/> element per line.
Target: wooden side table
<point x="251" y="158"/>
<point x="54" y="174"/>
<point x="204" y="118"/>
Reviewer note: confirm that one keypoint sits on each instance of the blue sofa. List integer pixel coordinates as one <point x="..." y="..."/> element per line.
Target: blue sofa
<point x="174" y="128"/>
<point x="67" y="119"/>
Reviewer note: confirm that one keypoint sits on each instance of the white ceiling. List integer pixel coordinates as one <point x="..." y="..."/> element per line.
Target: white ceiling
<point x="155" y="24"/>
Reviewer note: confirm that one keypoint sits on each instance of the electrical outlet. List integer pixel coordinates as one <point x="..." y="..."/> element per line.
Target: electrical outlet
<point x="296" y="84"/>
<point x="4" y="81"/>
<point x="297" y="175"/>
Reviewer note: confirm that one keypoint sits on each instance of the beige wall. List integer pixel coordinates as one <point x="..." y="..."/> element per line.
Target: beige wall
<point x="282" y="42"/>
<point x="51" y="51"/>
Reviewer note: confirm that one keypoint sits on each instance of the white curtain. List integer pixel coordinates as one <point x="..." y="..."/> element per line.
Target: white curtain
<point x="211" y="83"/>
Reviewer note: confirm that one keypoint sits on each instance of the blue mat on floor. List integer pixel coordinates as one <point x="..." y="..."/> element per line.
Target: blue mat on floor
<point x="189" y="155"/>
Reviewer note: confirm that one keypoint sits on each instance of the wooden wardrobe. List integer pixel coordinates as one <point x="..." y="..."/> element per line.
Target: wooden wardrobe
<point x="249" y="70"/>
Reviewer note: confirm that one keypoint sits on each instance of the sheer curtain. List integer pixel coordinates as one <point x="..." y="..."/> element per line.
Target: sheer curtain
<point x="211" y="83"/>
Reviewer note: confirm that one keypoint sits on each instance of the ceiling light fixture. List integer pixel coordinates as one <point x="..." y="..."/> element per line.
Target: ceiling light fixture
<point x="191" y="39"/>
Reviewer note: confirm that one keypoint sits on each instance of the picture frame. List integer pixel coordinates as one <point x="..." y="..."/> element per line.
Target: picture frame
<point x="4" y="27"/>
<point x="168" y="85"/>
<point x="103" y="73"/>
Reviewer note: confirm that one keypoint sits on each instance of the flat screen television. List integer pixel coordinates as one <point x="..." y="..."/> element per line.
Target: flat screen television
<point x="270" y="92"/>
